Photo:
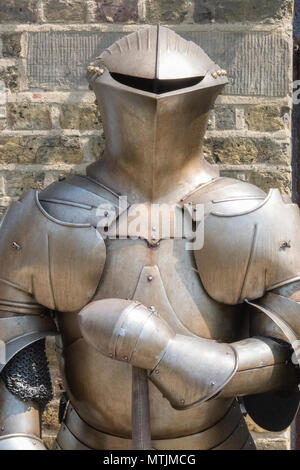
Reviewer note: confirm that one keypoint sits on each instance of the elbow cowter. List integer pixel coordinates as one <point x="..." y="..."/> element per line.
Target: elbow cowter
<point x="186" y="369"/>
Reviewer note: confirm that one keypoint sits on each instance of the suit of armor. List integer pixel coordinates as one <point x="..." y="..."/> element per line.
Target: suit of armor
<point x="155" y="341"/>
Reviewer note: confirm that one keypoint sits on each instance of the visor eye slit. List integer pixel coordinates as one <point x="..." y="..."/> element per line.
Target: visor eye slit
<point x="156" y="85"/>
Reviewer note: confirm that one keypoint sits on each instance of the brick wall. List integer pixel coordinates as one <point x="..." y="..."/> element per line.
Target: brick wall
<point x="50" y="125"/>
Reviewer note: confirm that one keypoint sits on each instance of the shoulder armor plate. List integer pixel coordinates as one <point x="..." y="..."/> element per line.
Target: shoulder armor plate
<point x="251" y="243"/>
<point x="79" y="199"/>
<point x="58" y="262"/>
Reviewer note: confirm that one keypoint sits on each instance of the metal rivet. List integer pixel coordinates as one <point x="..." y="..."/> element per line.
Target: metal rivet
<point x="110" y="355"/>
<point x="286" y="245"/>
<point x="16" y="246"/>
<point x="182" y="401"/>
<point x="209" y="122"/>
<point x="212" y="384"/>
<point x="214" y="75"/>
<point x="150" y="278"/>
<point x="219" y="72"/>
<point x="125" y="358"/>
<point x="98" y="71"/>
<point x="152" y="308"/>
<point x="2" y="428"/>
<point x="157" y="371"/>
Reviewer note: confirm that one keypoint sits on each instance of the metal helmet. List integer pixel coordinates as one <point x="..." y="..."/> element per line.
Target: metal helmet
<point x="155" y="91"/>
<point x="156" y="59"/>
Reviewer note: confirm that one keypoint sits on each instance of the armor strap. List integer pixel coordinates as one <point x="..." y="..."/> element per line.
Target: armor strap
<point x="141" y="431"/>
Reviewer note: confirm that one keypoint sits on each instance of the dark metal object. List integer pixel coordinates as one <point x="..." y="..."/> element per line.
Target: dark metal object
<point x="273" y="411"/>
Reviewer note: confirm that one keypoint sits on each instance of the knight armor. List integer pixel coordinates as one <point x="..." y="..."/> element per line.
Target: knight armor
<point x="160" y="334"/>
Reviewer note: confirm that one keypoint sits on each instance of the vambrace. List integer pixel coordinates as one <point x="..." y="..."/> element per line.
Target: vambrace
<point x="186" y="369"/>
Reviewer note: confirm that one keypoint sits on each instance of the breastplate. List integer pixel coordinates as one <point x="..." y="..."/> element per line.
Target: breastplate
<point x="165" y="277"/>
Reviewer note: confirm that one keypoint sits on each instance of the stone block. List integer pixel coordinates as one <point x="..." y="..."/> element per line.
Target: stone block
<point x="65" y="11"/>
<point x="247" y="150"/>
<point x="231" y="11"/>
<point x="168" y="11"/>
<point x="11" y="44"/>
<point x="9" y="75"/>
<point x="225" y="117"/>
<point x="40" y="149"/>
<point x="18" y="11"/>
<point x="29" y="116"/>
<point x="266" y="118"/>
<point x="116" y="11"/>
<point x="79" y="116"/>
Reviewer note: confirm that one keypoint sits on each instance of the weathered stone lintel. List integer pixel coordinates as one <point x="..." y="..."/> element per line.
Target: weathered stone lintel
<point x="58" y="60"/>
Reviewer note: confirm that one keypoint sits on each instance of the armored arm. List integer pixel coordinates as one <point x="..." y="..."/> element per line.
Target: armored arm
<point x="41" y="271"/>
<point x="186" y="369"/>
<point x="251" y="256"/>
<point x="25" y="385"/>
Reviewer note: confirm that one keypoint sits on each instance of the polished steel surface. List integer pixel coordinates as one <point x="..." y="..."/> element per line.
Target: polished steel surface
<point x="169" y="56"/>
<point x="272" y="372"/>
<point x="50" y="268"/>
<point x="261" y="261"/>
<point x="125" y="331"/>
<point x="21" y="442"/>
<point x="181" y="313"/>
<point x="229" y="432"/>
<point x="137" y="335"/>
<point x="142" y="128"/>
<point x="16" y="415"/>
